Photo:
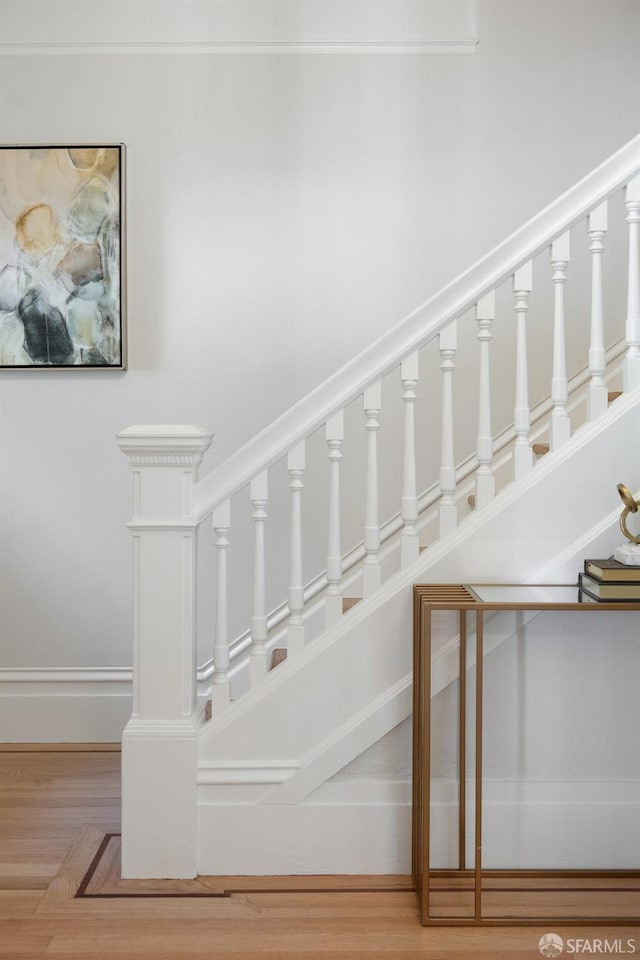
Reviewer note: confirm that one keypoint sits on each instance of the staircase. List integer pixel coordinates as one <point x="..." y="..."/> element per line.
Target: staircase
<point x="234" y="767"/>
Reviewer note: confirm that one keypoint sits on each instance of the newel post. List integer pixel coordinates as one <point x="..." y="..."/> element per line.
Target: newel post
<point x="159" y="744"/>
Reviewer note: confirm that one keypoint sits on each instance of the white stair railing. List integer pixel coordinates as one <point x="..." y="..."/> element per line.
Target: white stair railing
<point x="259" y="500"/>
<point x="409" y="541"/>
<point x="371" y="574"/>
<point x="560" y="428"/>
<point x="485" y="480"/>
<point x="522" y="453"/>
<point x="447" y="508"/>
<point x="597" y="399"/>
<point x="632" y="364"/>
<point x="220" y="692"/>
<point x="295" y="628"/>
<point x="333" y="601"/>
<point x="436" y="331"/>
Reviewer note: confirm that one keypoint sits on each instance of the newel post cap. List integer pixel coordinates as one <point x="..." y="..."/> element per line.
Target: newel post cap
<point x="162" y="445"/>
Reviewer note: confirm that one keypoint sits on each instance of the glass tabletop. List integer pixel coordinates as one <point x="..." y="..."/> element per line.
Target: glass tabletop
<point x="525" y="593"/>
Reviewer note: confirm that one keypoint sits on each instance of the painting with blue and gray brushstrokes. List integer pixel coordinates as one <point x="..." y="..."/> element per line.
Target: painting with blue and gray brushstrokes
<point x="60" y="268"/>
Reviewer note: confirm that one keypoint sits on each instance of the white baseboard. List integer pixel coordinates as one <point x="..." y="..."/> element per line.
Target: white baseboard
<point x="365" y="827"/>
<point x="64" y="704"/>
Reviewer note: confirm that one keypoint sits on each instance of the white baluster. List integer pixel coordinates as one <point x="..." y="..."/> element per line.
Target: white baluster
<point x="295" y="627"/>
<point x="447" y="509"/>
<point x="259" y="494"/>
<point x="522" y="453"/>
<point x="631" y="376"/>
<point x="485" y="480"/>
<point x="220" y="694"/>
<point x="597" y="399"/>
<point x="333" y="598"/>
<point x="409" y="543"/>
<point x="372" y="402"/>
<point x="560" y="426"/>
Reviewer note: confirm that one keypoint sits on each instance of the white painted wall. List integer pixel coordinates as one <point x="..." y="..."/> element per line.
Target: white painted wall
<point x="282" y="212"/>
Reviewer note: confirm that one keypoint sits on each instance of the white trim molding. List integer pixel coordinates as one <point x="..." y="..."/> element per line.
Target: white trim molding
<point x="527" y="823"/>
<point x="62" y="680"/>
<point x="254" y="47"/>
<point x="64" y="704"/>
<point x="62" y="27"/>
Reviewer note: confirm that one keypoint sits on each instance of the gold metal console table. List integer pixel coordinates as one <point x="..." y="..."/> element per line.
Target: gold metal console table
<point x="458" y="897"/>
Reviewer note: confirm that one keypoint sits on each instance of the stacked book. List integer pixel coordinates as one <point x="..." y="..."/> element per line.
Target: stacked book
<point x="606" y="581"/>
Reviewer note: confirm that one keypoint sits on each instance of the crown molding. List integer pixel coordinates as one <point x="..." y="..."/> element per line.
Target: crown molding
<point x="182" y="49"/>
<point x="197" y="27"/>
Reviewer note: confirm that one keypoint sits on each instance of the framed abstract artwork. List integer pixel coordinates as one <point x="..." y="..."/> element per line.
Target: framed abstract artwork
<point x="61" y="259"/>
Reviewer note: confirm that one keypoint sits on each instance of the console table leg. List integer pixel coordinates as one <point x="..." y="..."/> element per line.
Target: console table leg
<point x="478" y="834"/>
<point x="425" y="726"/>
<point x="462" y="744"/>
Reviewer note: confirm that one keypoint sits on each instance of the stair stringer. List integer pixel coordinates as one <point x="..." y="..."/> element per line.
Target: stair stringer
<point x="262" y="758"/>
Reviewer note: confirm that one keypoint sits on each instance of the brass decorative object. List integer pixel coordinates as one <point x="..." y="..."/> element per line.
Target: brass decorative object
<point x="630" y="506"/>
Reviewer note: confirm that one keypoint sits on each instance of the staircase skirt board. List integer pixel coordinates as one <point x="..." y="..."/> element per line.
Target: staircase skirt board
<point x="366" y="829"/>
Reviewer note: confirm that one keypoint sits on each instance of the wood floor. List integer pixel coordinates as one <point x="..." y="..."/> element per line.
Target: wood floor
<point x="61" y="895"/>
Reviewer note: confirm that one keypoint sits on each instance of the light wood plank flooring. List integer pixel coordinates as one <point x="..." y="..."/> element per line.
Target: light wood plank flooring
<point x="61" y="895"/>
